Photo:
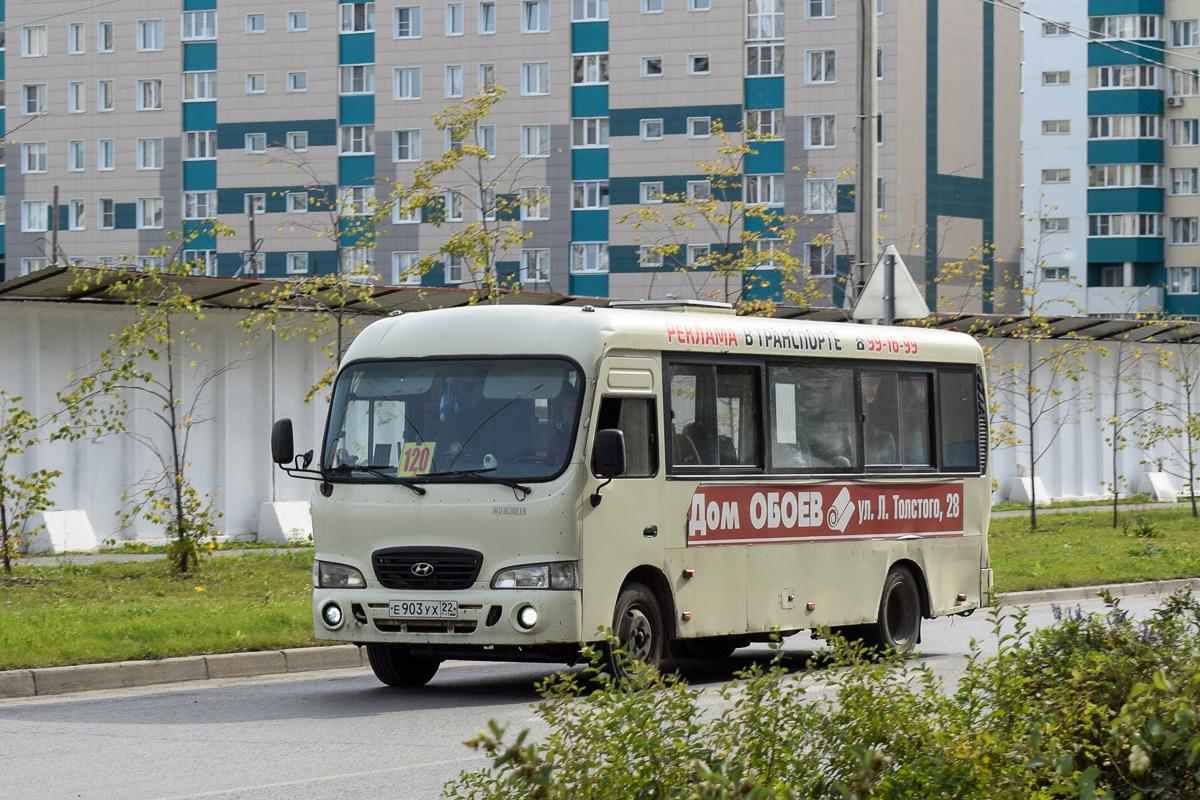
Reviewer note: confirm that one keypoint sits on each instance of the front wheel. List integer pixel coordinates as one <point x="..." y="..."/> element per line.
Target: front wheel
<point x="395" y="666"/>
<point x="899" y="624"/>
<point x="639" y="630"/>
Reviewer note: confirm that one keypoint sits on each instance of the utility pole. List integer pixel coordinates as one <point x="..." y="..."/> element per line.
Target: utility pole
<point x="54" y="229"/>
<point x="866" y="218"/>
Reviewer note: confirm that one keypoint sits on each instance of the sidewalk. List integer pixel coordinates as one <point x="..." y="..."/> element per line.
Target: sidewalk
<point x="130" y="674"/>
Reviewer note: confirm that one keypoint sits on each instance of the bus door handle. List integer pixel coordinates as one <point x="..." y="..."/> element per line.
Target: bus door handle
<point x="650" y="531"/>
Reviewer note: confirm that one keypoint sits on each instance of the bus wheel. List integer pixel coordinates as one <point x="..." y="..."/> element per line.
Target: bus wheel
<point x="638" y="626"/>
<point x="899" y="624"/>
<point x="395" y="666"/>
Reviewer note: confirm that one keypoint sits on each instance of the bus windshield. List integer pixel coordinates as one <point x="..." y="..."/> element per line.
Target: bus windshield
<point x="453" y="419"/>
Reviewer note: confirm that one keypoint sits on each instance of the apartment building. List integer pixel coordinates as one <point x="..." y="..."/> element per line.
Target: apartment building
<point x="147" y="118"/>
<point x="1112" y="152"/>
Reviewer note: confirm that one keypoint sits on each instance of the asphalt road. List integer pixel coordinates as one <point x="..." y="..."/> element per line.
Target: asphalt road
<point x="327" y="734"/>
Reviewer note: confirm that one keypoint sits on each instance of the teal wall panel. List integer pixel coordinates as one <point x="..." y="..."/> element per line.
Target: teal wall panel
<point x="589" y="101"/>
<point x="199" y="56"/>
<point x="589" y="285"/>
<point x="357" y="109"/>
<point x="589" y="164"/>
<point x="356" y="48"/>
<point x="764" y="92"/>
<point x="1124" y="201"/>
<point x="1115" y="250"/>
<point x="199" y="175"/>
<point x="589" y="37"/>
<point x="767" y="158"/>
<point x="1124" y="101"/>
<point x="627" y="121"/>
<point x="202" y="117"/>
<point x="1126" y="151"/>
<point x="589" y="226"/>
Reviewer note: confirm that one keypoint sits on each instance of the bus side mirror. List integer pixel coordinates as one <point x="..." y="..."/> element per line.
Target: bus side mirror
<point x="283" y="450"/>
<point x="609" y="455"/>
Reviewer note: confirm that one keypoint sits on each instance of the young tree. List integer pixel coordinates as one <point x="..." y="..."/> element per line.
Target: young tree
<point x="23" y="493"/>
<point x="733" y="227"/>
<point x="468" y="176"/>
<point x="1176" y="426"/>
<point x="152" y="371"/>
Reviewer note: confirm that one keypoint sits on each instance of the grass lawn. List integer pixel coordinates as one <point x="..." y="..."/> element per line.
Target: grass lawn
<point x="82" y="614"/>
<point x="1083" y="549"/>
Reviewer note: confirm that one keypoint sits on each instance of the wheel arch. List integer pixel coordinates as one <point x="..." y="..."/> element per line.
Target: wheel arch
<point x="653" y="579"/>
<point x="922" y="584"/>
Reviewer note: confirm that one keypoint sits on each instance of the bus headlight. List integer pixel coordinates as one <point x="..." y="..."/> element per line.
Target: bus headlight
<point x="559" y="575"/>
<point x="327" y="575"/>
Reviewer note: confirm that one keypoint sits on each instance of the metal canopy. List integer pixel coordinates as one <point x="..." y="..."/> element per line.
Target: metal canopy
<point x="57" y="285"/>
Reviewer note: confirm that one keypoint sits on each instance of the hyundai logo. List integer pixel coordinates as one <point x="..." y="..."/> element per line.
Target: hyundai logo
<point x="422" y="569"/>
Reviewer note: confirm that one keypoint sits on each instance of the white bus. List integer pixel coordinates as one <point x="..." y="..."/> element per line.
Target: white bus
<point x="504" y="482"/>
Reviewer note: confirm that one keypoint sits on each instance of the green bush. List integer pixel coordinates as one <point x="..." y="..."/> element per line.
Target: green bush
<point x="1095" y="706"/>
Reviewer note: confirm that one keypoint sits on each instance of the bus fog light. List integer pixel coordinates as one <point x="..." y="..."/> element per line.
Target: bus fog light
<point x="332" y="616"/>
<point x="527" y="617"/>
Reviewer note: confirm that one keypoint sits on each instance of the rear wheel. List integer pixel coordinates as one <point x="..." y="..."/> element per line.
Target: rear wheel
<point x="899" y="624"/>
<point x="638" y="627"/>
<point x="396" y="666"/>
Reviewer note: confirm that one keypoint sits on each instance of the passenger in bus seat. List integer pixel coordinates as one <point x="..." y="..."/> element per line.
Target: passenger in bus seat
<point x="702" y="438"/>
<point x="831" y="444"/>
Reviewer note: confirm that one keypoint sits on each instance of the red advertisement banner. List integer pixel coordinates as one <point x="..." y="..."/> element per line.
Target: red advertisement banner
<point x="724" y="515"/>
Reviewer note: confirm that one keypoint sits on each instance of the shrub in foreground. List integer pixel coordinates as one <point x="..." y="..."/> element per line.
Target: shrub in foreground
<point x="1095" y="706"/>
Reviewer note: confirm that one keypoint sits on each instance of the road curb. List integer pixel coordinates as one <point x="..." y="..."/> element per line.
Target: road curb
<point x="131" y="674"/>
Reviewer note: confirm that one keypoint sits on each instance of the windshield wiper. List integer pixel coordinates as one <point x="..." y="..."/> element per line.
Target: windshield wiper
<point x="478" y="473"/>
<point x="382" y="472"/>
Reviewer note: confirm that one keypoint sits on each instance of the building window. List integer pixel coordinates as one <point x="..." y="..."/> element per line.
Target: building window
<point x="358" y="201"/>
<point x="535" y="265"/>
<point x="454" y="206"/>
<point x="406" y="145"/>
<point x="104" y="37"/>
<point x="1125" y="175"/>
<point x="535" y="78"/>
<point x="1056" y="176"/>
<point x="1125" y="225"/>
<point x="202" y="262"/>
<point x="698" y="256"/>
<point x="454" y="19"/>
<point x="764" y="122"/>
<point x="589" y="195"/>
<point x="487" y="76"/>
<point x="485" y="137"/>
<point x="1185" y="132"/>
<point x="105" y="100"/>
<point x="354" y="79"/>
<point x="589" y="69"/>
<point x="589" y="132"/>
<point x="106" y="213"/>
<point x="75" y="98"/>
<point x="1124" y="76"/>
<point x="408" y="22"/>
<point x="820" y="9"/>
<point x="1126" y="26"/>
<point x="33" y="99"/>
<point x="202" y="145"/>
<point x="1056" y="29"/>
<point x="535" y="141"/>
<point x="256" y="143"/>
<point x="256" y="23"/>
<point x="651" y="130"/>
<point x="298" y="81"/>
<point x="407" y="83"/>
<point x="699" y="5"/>
<point x="487" y="17"/>
<point x="820" y="131"/>
<point x="297" y="141"/>
<point x="297" y="21"/>
<point x="150" y="153"/>
<point x="357" y="17"/>
<point x="1057" y="78"/>
<point x="699" y="190"/>
<point x="699" y="64"/>
<point x="588" y="10"/>
<point x="652" y="6"/>
<point x="149" y="93"/>
<point x="764" y="60"/>
<point x="1183" y="280"/>
<point x="1056" y="273"/>
<point x="296" y="203"/>
<point x="454" y="80"/>
<point x="405" y="216"/>
<point x="652" y="66"/>
<point x="254" y="203"/>
<point x="649" y="257"/>
<point x="1185" y="33"/>
<point x="33" y="157"/>
<point x="197" y="26"/>
<point x="357" y="139"/>
<point x="34" y="41"/>
<point x="699" y="127"/>
<point x="149" y="213"/>
<point x="256" y="82"/>
<point x="106" y="155"/>
<point x="1184" y="180"/>
<point x="764" y="19"/>
<point x="406" y="269"/>
<point x="199" y="205"/>
<point x="76" y="215"/>
<point x="535" y="202"/>
<point x="1183" y="230"/>
<point x="535" y="16"/>
<point x="589" y="257"/>
<point x="766" y="190"/>
<point x="650" y="192"/>
<point x="199" y="86"/>
<point x="75" y="36"/>
<point x="820" y="259"/>
<point x="35" y="216"/>
<point x="820" y="66"/>
<point x="149" y="35"/>
<point x="29" y="265"/>
<point x="1127" y="126"/>
<point x="1185" y="82"/>
<point x="1055" y="127"/>
<point x="1055" y="224"/>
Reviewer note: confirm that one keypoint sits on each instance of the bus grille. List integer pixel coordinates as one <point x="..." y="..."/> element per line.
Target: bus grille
<point x="438" y="569"/>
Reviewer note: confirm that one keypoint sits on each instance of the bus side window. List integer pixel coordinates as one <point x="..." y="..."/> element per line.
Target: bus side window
<point x="896" y="408"/>
<point x="715" y="413"/>
<point x="812" y="423"/>
<point x="637" y="419"/>
<point x="959" y="418"/>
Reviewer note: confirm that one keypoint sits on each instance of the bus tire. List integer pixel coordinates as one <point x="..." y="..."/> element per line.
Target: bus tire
<point x="639" y="630"/>
<point x="395" y="666"/>
<point x="899" y="624"/>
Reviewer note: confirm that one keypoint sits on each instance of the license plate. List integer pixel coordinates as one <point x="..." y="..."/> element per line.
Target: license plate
<point x="423" y="609"/>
